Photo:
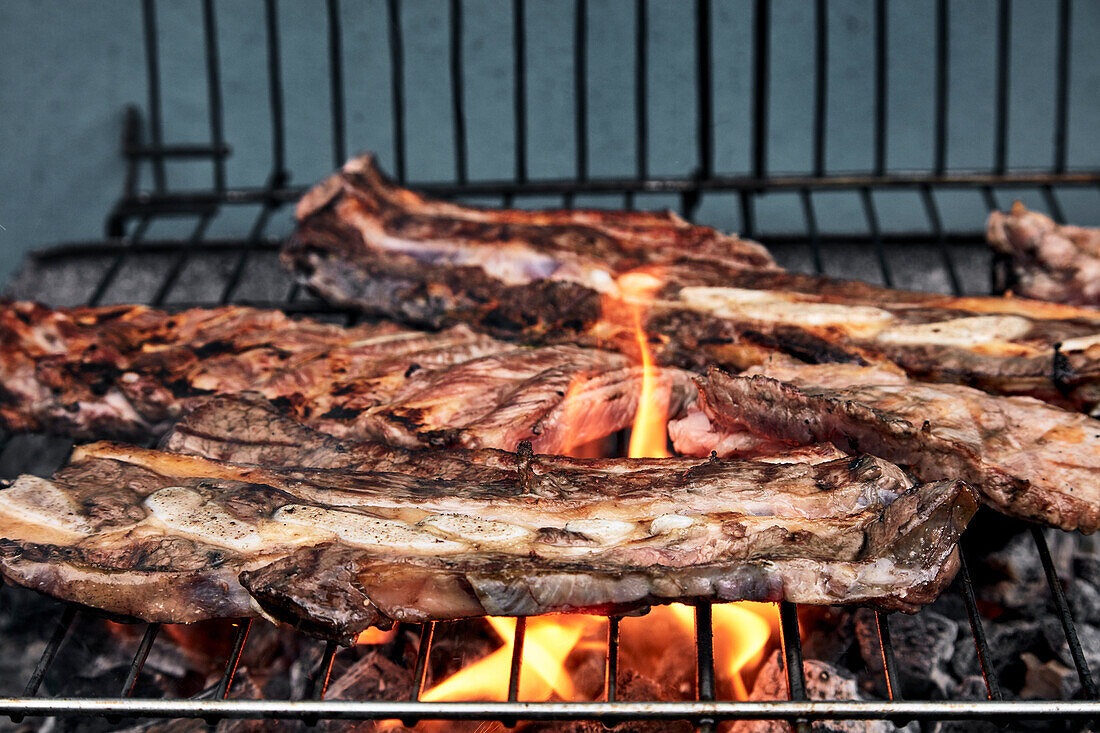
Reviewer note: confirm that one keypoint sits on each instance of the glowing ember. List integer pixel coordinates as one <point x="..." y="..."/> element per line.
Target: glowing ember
<point x="649" y="436"/>
<point x="547" y="643"/>
<point x="376" y="636"/>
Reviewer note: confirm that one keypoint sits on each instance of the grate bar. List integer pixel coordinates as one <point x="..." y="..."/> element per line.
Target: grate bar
<point x="182" y="256"/>
<point x="761" y="45"/>
<point x="152" y="72"/>
<point x="748" y="215"/>
<point x="420" y="671"/>
<point x="1064" y="614"/>
<point x="336" y="84"/>
<point x="704" y="659"/>
<point x="517" y="658"/>
<point x="1053" y="204"/>
<point x="138" y="663"/>
<point x="704" y="91"/>
<point x="119" y="260"/>
<point x="234" y="280"/>
<point x="933" y="212"/>
<point x="992" y="684"/>
<point x="641" y="87"/>
<point x="519" y="91"/>
<point x="397" y="87"/>
<point x="811" y="230"/>
<point x="580" y="86"/>
<point x="318" y="683"/>
<point x="792" y="658"/>
<point x="887" y="647"/>
<point x="1004" y="45"/>
<point x="611" y="668"/>
<point x="226" y="681"/>
<point x="275" y="93"/>
<point x="214" y="92"/>
<point x="458" y="109"/>
<point x="64" y="624"/>
<point x="1061" y="82"/>
<point x="942" y="61"/>
<point x="881" y="88"/>
<point x="876" y="236"/>
<point x="821" y="80"/>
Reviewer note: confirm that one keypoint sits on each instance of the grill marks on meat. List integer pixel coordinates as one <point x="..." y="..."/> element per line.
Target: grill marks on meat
<point x="363" y="242"/>
<point x="168" y="537"/>
<point x="126" y="372"/>
<point x="1049" y="261"/>
<point x="1029" y="459"/>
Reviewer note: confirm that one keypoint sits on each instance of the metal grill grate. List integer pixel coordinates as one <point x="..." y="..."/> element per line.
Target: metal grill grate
<point x="138" y="210"/>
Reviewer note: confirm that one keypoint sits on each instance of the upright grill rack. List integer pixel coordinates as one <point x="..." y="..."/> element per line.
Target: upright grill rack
<point x="137" y="210"/>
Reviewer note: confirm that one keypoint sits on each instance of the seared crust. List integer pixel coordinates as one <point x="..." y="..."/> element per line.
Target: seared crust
<point x="1029" y="459"/>
<point x="165" y="537"/>
<point x="555" y="276"/>
<point x="126" y="372"/>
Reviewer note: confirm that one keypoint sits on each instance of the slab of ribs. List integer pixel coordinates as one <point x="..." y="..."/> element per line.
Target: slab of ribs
<point x="335" y="536"/>
<point x="546" y="277"/>
<point x="834" y="438"/>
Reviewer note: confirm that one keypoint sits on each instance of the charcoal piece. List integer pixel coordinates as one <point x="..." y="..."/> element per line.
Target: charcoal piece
<point x="1006" y="642"/>
<point x="1087" y="567"/>
<point x="924" y="645"/>
<point x="828" y="633"/>
<point x="823" y="682"/>
<point x="1088" y="635"/>
<point x="1013" y="577"/>
<point x="1084" y="602"/>
<point x="972" y="687"/>
<point x="633" y="685"/>
<point x="1049" y="680"/>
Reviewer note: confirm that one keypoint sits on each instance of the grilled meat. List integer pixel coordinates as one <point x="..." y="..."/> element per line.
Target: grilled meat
<point x="1029" y="459"/>
<point x="1049" y="261"/>
<point x="363" y="242"/>
<point x="126" y="372"/>
<point x="175" y="538"/>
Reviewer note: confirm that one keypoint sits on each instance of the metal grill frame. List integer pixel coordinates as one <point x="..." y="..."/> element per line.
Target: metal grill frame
<point x="136" y="210"/>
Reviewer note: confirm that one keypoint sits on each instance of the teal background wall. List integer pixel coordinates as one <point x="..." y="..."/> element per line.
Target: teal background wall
<point x="68" y="68"/>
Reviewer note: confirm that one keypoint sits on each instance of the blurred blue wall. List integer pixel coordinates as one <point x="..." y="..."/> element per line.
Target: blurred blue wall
<point x="69" y="68"/>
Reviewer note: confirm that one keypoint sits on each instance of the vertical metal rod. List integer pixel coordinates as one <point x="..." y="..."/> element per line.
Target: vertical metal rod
<point x="1004" y="46"/>
<point x="68" y="616"/>
<point x="519" y="92"/>
<point x="1061" y="81"/>
<point x="611" y="667"/>
<point x="881" y="85"/>
<point x="152" y="66"/>
<point x="214" y="92"/>
<point x="792" y="658"/>
<point x="888" y="666"/>
<point x="991" y="683"/>
<point x="990" y="198"/>
<point x="761" y="43"/>
<point x="937" y="228"/>
<point x="142" y="654"/>
<point x="704" y="659"/>
<point x="275" y="94"/>
<point x="876" y="235"/>
<point x="172" y="276"/>
<point x="319" y="682"/>
<point x="397" y="87"/>
<point x="237" y="273"/>
<point x="420" y="671"/>
<point x="458" y="110"/>
<point x="811" y="229"/>
<point x="1064" y="615"/>
<point x="116" y="264"/>
<point x="641" y="87"/>
<point x="940" y="163"/>
<point x="517" y="658"/>
<point x="821" y="77"/>
<point x="243" y="627"/>
<point x="336" y="80"/>
<point x="1055" y="207"/>
<point x="580" y="87"/>
<point x="704" y="90"/>
<point x="748" y="216"/>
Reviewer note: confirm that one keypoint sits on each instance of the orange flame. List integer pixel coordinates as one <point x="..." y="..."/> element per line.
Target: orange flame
<point x="547" y="643"/>
<point x="376" y="636"/>
<point x="649" y="436"/>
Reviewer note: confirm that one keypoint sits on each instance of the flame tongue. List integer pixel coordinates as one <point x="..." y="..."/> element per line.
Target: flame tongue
<point x="649" y="435"/>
